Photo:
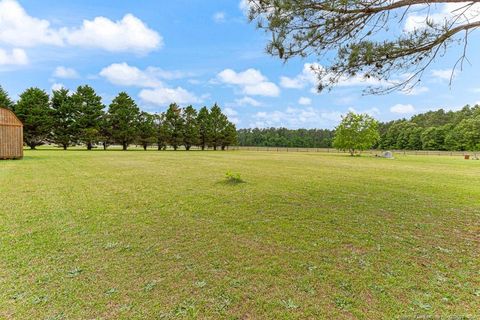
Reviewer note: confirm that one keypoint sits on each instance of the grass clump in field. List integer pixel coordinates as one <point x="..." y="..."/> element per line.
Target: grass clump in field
<point x="233" y="178"/>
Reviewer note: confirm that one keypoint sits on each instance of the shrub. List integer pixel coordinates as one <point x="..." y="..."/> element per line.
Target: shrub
<point x="233" y="177"/>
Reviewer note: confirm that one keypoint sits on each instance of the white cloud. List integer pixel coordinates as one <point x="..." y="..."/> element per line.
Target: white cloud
<point x="307" y="77"/>
<point x="14" y="57"/>
<point x="251" y="82"/>
<point x="402" y="108"/>
<point x="450" y="13"/>
<point x="245" y="101"/>
<point x="128" y="34"/>
<point x="65" y="73"/>
<point x="232" y="115"/>
<point x="124" y="75"/>
<point x="18" y="28"/>
<point x="304" y="101"/>
<point x="443" y="74"/>
<point x="220" y="17"/>
<point x="296" y="118"/>
<point x="244" y="6"/>
<point x="57" y="86"/>
<point x="165" y="96"/>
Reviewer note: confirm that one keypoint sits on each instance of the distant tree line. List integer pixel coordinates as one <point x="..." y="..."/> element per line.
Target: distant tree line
<point x="71" y="118"/>
<point x="283" y="137"/>
<point x="434" y="130"/>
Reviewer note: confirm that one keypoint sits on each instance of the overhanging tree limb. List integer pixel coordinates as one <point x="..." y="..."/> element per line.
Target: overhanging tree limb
<point x="359" y="33"/>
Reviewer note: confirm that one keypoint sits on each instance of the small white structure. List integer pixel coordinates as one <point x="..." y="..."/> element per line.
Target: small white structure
<point x="388" y="155"/>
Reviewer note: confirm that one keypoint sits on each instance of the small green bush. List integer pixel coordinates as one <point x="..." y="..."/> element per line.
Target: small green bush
<point x="233" y="177"/>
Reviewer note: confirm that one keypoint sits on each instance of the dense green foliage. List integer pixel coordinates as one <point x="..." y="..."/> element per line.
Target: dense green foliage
<point x="33" y="109"/>
<point x="122" y="119"/>
<point x="69" y="119"/>
<point x="356" y="132"/>
<point x="434" y="130"/>
<point x="162" y="235"/>
<point x="283" y="137"/>
<point x="5" y="100"/>
<point x="64" y="131"/>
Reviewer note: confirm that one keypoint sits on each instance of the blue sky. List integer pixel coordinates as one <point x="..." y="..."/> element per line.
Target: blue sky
<point x="196" y="52"/>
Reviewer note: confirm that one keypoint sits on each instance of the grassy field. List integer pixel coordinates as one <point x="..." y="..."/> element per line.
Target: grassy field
<point x="161" y="235"/>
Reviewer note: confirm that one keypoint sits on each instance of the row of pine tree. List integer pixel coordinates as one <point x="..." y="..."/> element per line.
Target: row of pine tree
<point x="72" y="118"/>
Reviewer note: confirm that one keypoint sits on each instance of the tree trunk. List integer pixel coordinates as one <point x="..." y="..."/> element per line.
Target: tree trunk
<point x="65" y="147"/>
<point x="145" y="147"/>
<point x="124" y="146"/>
<point x="188" y="148"/>
<point x="203" y="147"/>
<point x="223" y="148"/>
<point x="175" y="148"/>
<point x="89" y="146"/>
<point x="159" y="147"/>
<point x="352" y="152"/>
<point x="214" y="148"/>
<point x="104" y="146"/>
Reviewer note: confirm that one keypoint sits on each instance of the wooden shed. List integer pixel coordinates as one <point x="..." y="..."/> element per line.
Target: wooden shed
<point x="11" y="135"/>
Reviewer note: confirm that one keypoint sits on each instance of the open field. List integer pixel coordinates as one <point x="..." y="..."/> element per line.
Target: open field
<point x="160" y="235"/>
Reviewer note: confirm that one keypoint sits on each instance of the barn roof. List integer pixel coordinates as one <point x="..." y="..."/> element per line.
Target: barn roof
<point x="8" y="118"/>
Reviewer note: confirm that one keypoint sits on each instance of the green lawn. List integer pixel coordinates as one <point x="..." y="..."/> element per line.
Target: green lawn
<point x="160" y="235"/>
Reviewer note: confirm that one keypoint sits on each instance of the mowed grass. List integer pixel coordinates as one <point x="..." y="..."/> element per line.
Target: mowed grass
<point x="161" y="235"/>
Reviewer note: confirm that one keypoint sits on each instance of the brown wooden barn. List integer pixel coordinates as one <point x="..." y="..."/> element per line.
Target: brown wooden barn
<point x="11" y="135"/>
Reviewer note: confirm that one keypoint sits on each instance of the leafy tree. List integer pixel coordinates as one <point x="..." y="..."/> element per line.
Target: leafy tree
<point x="64" y="131"/>
<point x="354" y="32"/>
<point x="161" y="131"/>
<point x="89" y="116"/>
<point x="147" y="132"/>
<point x="356" y="132"/>
<point x="5" y="101"/>
<point x="122" y="119"/>
<point x="467" y="135"/>
<point x="229" y="136"/>
<point x="174" y="125"/>
<point x="433" y="138"/>
<point x="283" y="137"/>
<point x="203" y="121"/>
<point x="33" y="109"/>
<point x="218" y="122"/>
<point x="191" y="131"/>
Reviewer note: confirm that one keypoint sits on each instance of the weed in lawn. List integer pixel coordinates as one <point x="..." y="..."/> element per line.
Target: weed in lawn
<point x="150" y="286"/>
<point x="233" y="178"/>
<point x="289" y="304"/>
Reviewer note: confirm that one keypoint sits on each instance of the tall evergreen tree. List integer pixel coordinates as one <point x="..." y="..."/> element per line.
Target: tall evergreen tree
<point x="229" y="136"/>
<point x="190" y="131"/>
<point x="5" y="101"/>
<point x="174" y="126"/>
<point x="89" y="116"/>
<point x="105" y="133"/>
<point x="122" y="119"/>
<point x="218" y="123"/>
<point x="64" y="131"/>
<point x="33" y="109"/>
<point x="147" y="133"/>
<point x="161" y="131"/>
<point x="203" y="121"/>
